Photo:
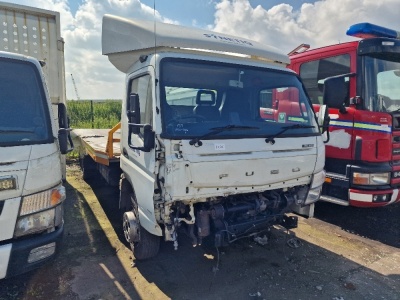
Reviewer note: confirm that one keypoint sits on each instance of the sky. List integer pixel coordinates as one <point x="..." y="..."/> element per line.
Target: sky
<point x="282" y="24"/>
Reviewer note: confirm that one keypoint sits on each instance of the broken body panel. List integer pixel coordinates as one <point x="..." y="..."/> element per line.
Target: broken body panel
<point x="196" y="148"/>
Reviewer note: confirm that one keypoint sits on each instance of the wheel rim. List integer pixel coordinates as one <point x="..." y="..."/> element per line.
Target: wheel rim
<point x="130" y="227"/>
<point x="126" y="228"/>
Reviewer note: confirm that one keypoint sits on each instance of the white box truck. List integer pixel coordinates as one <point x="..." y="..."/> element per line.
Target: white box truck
<point x="34" y="135"/>
<point x="217" y="136"/>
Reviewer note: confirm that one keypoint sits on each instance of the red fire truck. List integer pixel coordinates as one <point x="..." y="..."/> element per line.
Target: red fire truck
<point x="363" y="151"/>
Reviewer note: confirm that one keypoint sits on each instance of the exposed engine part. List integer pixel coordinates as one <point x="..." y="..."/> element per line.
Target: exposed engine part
<point x="203" y="224"/>
<point x="192" y="235"/>
<point x="189" y="217"/>
<point x="217" y="212"/>
<point x="169" y="233"/>
<point x="233" y="217"/>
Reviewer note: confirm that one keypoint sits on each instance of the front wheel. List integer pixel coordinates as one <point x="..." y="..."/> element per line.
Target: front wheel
<point x="148" y="245"/>
<point x="144" y="245"/>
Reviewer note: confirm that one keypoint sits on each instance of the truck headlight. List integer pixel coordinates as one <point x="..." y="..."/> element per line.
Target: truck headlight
<point x="315" y="188"/>
<point x="40" y="211"/>
<point x="371" y="178"/>
<point x="42" y="201"/>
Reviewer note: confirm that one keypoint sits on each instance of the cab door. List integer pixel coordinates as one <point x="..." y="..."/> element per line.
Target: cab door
<point x="138" y="163"/>
<point x="313" y="74"/>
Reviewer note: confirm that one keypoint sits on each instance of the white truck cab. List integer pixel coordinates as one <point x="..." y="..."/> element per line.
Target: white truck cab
<point x="218" y="137"/>
<point x="33" y="138"/>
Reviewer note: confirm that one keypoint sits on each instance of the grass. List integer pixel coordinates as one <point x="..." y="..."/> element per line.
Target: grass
<point x="94" y="114"/>
<point x="87" y="114"/>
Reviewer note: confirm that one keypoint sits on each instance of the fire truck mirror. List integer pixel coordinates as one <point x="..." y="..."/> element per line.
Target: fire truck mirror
<point x="336" y="91"/>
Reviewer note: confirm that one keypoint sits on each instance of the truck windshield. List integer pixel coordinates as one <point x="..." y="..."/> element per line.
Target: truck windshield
<point x="198" y="98"/>
<point x="382" y="76"/>
<point x="23" y="117"/>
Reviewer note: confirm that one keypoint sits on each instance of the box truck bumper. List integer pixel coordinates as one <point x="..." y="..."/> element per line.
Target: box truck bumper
<point x="28" y="254"/>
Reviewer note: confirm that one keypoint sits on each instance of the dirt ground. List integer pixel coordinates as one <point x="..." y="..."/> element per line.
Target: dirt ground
<point x="341" y="254"/>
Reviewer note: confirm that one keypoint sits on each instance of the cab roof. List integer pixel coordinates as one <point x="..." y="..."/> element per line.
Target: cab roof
<point x="121" y="36"/>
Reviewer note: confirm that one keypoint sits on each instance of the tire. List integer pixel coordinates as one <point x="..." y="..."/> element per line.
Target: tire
<point x="149" y="244"/>
<point x="147" y="247"/>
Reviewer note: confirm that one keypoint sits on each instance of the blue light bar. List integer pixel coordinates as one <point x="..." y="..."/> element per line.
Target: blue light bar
<point x="368" y="30"/>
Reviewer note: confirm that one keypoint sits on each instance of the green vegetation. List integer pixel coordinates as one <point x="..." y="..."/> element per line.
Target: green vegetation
<point x="94" y="114"/>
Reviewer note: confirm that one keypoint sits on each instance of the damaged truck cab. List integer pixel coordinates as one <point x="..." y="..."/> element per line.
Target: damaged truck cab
<point x="217" y="136"/>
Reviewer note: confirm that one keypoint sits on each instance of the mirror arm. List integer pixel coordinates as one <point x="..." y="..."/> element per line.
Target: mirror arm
<point x="343" y="109"/>
<point x="327" y="136"/>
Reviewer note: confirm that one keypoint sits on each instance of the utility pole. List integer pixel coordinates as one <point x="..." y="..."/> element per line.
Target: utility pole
<point x="76" y="90"/>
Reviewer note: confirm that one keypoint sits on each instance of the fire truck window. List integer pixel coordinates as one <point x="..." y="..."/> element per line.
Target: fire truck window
<point x="315" y="72"/>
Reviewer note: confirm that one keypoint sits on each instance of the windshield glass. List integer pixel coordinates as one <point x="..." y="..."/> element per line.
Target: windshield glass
<point x="23" y="118"/>
<point x="382" y="84"/>
<point x="214" y="100"/>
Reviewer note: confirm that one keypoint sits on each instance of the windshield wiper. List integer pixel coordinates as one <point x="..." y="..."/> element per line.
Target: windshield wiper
<point x="215" y="130"/>
<point x="271" y="139"/>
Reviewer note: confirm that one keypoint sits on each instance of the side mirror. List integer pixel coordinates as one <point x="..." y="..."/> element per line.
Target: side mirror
<point x="149" y="138"/>
<point x="323" y="118"/>
<point x="62" y="116"/>
<point x="133" y="111"/>
<point x="63" y="138"/>
<point x="336" y="91"/>
<point x="323" y="121"/>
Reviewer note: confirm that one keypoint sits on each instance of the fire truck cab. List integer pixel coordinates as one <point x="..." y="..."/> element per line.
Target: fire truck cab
<point x="363" y="151"/>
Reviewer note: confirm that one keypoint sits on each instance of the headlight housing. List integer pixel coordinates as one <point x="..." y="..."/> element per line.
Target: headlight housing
<point x="40" y="212"/>
<point x="42" y="201"/>
<point x="371" y="178"/>
<point x="315" y="188"/>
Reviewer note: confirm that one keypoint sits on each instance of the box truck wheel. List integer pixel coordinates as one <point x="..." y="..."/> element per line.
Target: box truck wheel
<point x="144" y="245"/>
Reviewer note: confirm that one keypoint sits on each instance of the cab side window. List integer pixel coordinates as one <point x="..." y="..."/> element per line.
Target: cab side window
<point x="314" y="73"/>
<point x="143" y="87"/>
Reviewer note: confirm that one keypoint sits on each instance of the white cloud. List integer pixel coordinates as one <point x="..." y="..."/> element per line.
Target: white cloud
<point x="320" y="23"/>
<point x="95" y="76"/>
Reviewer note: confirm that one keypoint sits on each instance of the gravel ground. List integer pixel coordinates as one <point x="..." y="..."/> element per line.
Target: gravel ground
<point x="342" y="254"/>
